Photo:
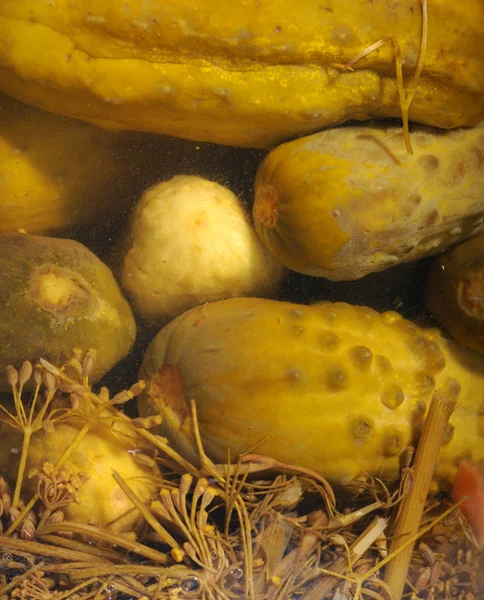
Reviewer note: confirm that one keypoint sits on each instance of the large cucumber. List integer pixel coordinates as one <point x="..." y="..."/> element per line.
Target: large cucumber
<point x="244" y="73"/>
<point x="350" y="201"/>
<point x="337" y="388"/>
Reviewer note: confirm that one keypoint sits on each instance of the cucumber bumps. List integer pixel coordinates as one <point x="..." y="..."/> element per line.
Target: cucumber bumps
<point x="337" y="388"/>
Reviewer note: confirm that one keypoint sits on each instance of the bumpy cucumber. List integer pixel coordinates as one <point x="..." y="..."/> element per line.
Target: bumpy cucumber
<point x="337" y="388"/>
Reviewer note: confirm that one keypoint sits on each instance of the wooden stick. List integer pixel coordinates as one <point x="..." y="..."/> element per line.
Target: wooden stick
<point x="413" y="506"/>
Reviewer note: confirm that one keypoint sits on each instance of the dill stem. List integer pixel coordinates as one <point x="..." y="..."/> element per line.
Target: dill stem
<point x="72" y="591"/>
<point x="44" y="518"/>
<point x="145" y="512"/>
<point x="103" y="535"/>
<point x="43" y="550"/>
<point x="407" y="525"/>
<point x="84" y="547"/>
<point x="22" y="465"/>
<point x="73" y="445"/>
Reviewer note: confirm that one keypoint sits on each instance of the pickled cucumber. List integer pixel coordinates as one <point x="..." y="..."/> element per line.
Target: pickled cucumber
<point x="351" y="201"/>
<point x="455" y="292"/>
<point x="337" y="388"/>
<point x="99" y="499"/>
<point x="192" y="243"/>
<point x="56" y="295"/>
<point x="243" y="73"/>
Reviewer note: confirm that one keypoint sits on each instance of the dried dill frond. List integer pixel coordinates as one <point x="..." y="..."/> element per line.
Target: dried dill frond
<point x="82" y="433"/>
<point x="256" y="529"/>
<point x="28" y="419"/>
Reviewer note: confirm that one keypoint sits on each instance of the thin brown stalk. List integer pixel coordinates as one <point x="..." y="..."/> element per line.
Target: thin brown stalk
<point x="191" y="533"/>
<point x="64" y="542"/>
<point x="421" y="56"/>
<point x="70" y="593"/>
<point x="72" y="567"/>
<point x="168" y="450"/>
<point x="105" y="536"/>
<point x="202" y="516"/>
<point x="100" y="592"/>
<point x="77" y="574"/>
<point x="195" y="530"/>
<point x="233" y="491"/>
<point x="266" y="462"/>
<point x="245" y="531"/>
<point x="413" y="506"/>
<point x="145" y="512"/>
<point x="208" y="467"/>
<point x="15" y="545"/>
<point x="404" y="101"/>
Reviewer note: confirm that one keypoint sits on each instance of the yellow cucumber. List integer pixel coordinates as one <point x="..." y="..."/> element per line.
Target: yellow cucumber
<point x="336" y="388"/>
<point x="350" y="201"/>
<point x="246" y="73"/>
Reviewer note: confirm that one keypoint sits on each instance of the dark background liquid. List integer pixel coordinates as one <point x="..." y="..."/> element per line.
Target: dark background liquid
<point x="399" y="288"/>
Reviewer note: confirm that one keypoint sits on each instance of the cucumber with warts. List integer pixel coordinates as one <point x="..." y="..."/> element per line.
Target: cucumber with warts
<point x="336" y="388"/>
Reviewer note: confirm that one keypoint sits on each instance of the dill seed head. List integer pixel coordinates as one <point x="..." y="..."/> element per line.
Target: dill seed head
<point x="25" y="372"/>
<point x="12" y="375"/>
